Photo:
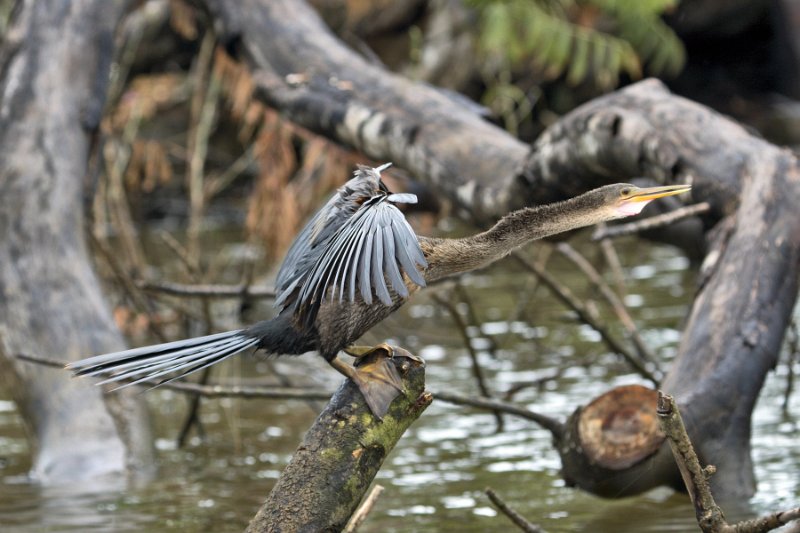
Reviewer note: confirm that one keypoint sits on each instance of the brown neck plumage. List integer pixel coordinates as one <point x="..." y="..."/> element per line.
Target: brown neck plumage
<point x="453" y="256"/>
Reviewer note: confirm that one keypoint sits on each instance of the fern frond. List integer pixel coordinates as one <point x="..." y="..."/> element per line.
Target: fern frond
<point x="522" y="31"/>
<point x="639" y="22"/>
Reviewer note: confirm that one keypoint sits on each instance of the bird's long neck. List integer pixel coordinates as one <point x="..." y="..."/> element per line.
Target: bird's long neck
<point x="453" y="256"/>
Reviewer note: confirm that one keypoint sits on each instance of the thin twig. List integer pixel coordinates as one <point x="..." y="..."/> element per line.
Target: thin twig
<point x="543" y="254"/>
<point x="587" y="315"/>
<point x="473" y="318"/>
<point x="363" y="510"/>
<point x="208" y="290"/>
<point x="128" y="285"/>
<point x="647" y="355"/>
<point x="709" y="515"/>
<point x="193" y="270"/>
<point x="217" y="184"/>
<point x="539" y="383"/>
<point x="793" y="346"/>
<point x="555" y="427"/>
<point x="612" y="260"/>
<point x="644" y="224"/>
<point x="477" y="370"/>
<point x="203" y="111"/>
<point x="193" y="416"/>
<point x="519" y="520"/>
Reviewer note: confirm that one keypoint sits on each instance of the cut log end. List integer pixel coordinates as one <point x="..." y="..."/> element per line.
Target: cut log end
<point x="612" y="447"/>
<point x="620" y="428"/>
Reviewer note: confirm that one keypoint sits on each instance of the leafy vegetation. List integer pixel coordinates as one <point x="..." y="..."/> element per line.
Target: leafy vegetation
<point x="582" y="40"/>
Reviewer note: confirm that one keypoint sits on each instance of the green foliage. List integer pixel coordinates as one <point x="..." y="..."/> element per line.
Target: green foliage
<point x="583" y="40"/>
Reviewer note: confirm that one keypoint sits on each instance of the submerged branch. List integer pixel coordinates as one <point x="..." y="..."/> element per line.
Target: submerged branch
<point x="519" y="520"/>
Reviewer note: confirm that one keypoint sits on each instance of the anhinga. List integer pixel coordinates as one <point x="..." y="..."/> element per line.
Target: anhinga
<point x="355" y="263"/>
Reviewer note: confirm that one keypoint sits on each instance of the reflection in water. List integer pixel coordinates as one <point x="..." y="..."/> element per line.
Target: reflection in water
<point x="436" y="476"/>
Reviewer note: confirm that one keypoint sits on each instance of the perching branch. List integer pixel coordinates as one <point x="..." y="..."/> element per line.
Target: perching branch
<point x="335" y="464"/>
<point x="709" y="515"/>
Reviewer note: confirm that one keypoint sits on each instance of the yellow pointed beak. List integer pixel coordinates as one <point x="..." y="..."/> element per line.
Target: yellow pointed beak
<point x="651" y="193"/>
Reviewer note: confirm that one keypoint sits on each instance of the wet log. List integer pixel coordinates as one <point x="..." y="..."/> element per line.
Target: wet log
<point x="738" y="320"/>
<point x="749" y="279"/>
<point x="335" y="464"/>
<point x="54" y="61"/>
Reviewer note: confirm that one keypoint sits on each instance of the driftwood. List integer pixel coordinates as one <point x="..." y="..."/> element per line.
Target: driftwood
<point x="55" y="61"/>
<point x="734" y="332"/>
<point x="332" y="469"/>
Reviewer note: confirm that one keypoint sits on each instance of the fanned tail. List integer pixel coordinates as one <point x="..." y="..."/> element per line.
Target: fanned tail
<point x="161" y="360"/>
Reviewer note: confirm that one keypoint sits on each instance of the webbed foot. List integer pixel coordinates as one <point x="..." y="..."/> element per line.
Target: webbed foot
<point x="375" y="373"/>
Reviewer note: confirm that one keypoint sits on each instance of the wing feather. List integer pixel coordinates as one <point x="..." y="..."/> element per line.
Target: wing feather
<point x="378" y="279"/>
<point x="402" y="245"/>
<point x="351" y="247"/>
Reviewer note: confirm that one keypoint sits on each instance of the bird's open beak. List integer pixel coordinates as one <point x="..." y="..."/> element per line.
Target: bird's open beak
<point x="651" y="193"/>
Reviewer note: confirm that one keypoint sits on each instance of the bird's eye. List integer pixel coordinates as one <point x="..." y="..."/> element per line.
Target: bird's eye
<point x="625" y="192"/>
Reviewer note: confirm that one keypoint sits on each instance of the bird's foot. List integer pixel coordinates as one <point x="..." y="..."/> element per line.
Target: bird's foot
<point x="360" y="352"/>
<point x="375" y="374"/>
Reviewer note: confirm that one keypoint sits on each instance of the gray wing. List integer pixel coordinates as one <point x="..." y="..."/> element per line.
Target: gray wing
<point x="309" y="244"/>
<point x="374" y="245"/>
<point x="302" y="244"/>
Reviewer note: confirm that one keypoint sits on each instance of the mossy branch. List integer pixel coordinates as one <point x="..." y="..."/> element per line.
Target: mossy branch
<point x="339" y="457"/>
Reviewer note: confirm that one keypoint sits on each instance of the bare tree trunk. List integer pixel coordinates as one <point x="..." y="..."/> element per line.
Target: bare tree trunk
<point x="54" y="65"/>
<point x="739" y="318"/>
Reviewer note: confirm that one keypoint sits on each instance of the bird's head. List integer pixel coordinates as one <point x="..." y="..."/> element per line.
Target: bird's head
<point x="624" y="199"/>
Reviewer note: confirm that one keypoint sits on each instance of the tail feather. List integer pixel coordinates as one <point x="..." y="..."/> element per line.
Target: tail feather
<point x="156" y="362"/>
<point x="152" y="362"/>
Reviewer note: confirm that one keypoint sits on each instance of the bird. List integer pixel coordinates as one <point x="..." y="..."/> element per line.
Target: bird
<point x="352" y="265"/>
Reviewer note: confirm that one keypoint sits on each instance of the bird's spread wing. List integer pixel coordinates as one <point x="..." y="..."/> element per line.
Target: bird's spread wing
<point x="300" y="249"/>
<point x="374" y="245"/>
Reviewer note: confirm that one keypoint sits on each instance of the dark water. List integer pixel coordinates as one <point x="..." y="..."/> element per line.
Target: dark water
<point x="436" y="476"/>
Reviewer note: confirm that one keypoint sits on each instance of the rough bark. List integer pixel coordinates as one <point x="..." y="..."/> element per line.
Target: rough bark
<point x="54" y="65"/>
<point x="738" y="320"/>
<point x="339" y="457"/>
